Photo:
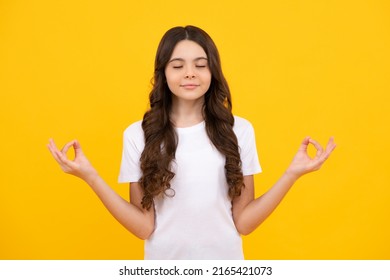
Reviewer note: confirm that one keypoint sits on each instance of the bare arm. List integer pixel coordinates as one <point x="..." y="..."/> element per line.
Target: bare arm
<point x="249" y="213"/>
<point x="131" y="215"/>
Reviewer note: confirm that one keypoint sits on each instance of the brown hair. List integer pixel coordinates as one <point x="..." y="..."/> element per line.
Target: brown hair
<point x="160" y="136"/>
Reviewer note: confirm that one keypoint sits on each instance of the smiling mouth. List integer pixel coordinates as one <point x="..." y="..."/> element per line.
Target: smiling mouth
<point x="189" y="86"/>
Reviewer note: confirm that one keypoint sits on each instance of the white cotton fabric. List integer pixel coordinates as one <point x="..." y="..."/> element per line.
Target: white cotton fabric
<point x="197" y="222"/>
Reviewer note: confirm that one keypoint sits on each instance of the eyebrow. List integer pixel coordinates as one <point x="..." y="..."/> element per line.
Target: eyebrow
<point x="181" y="59"/>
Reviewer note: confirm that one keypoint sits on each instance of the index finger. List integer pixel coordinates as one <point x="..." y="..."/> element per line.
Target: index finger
<point x="318" y="147"/>
<point x="67" y="146"/>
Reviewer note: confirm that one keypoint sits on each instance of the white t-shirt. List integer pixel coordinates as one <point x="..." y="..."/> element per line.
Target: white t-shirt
<point x="197" y="222"/>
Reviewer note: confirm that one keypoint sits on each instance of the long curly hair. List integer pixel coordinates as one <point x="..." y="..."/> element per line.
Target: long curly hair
<point x="160" y="136"/>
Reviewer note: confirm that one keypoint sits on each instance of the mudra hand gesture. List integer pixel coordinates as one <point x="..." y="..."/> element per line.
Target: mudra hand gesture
<point x="302" y="163"/>
<point x="79" y="166"/>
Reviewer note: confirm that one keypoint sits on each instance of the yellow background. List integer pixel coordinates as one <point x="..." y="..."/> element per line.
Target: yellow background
<point x="82" y="69"/>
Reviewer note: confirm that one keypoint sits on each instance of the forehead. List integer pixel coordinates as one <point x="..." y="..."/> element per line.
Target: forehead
<point x="187" y="49"/>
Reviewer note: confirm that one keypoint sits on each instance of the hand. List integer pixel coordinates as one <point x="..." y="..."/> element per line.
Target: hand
<point x="303" y="163"/>
<point x="79" y="166"/>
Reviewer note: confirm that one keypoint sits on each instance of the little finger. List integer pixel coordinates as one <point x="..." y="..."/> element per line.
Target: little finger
<point x="53" y="150"/>
<point x="329" y="148"/>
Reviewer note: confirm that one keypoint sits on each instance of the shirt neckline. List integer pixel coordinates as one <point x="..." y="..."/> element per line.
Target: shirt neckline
<point x="192" y="128"/>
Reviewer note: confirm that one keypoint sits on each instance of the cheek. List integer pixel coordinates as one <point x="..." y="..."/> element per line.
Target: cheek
<point x="173" y="86"/>
<point x="170" y="86"/>
<point x="207" y="79"/>
<point x="170" y="79"/>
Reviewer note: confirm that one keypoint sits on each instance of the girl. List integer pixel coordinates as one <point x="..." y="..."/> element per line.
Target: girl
<point x="190" y="162"/>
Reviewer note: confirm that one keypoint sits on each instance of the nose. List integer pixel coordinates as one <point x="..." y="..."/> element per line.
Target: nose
<point x="190" y="73"/>
<point x="190" y="76"/>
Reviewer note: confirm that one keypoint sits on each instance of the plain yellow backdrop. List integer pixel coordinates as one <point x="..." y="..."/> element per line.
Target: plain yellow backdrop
<point x="82" y="69"/>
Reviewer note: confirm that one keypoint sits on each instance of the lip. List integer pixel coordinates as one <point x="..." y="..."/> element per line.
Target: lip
<point x="189" y="86"/>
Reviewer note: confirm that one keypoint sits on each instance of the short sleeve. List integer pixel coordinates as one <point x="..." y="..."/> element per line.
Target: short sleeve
<point x="247" y="144"/>
<point x="133" y="145"/>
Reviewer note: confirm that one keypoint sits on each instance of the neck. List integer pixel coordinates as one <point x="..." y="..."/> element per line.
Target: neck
<point x="186" y="113"/>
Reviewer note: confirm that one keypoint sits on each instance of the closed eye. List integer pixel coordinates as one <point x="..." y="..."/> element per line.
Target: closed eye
<point x="177" y="67"/>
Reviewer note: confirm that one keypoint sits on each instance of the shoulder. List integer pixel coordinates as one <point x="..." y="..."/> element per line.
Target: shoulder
<point x="134" y="127"/>
<point x="243" y="129"/>
<point x="241" y="124"/>
<point x="239" y="121"/>
<point x="134" y="131"/>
